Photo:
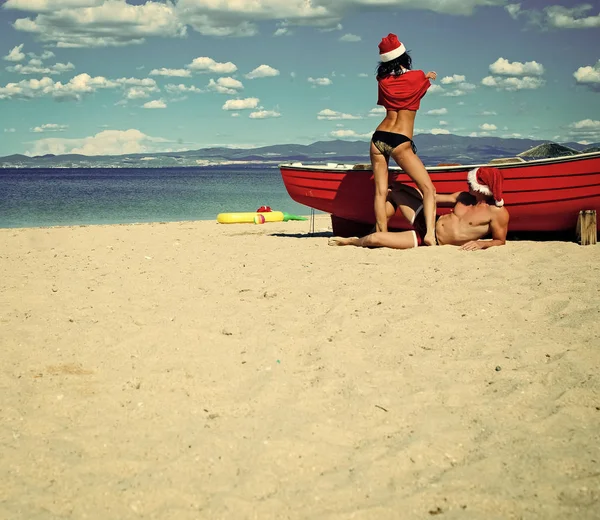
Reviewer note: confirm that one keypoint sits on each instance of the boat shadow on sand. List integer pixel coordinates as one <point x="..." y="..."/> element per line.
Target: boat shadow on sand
<point x="515" y="236"/>
<point x="308" y="234"/>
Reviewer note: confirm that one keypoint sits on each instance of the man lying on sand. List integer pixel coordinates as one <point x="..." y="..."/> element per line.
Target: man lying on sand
<point x="475" y="214"/>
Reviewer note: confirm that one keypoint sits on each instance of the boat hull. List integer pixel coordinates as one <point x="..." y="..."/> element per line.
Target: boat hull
<point x="542" y="195"/>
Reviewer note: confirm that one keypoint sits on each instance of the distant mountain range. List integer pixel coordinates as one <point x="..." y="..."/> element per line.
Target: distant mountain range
<point x="433" y="149"/>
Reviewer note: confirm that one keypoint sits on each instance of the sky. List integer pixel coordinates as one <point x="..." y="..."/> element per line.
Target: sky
<point x="116" y="76"/>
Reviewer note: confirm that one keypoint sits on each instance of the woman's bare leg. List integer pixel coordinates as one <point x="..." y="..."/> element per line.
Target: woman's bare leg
<point x="379" y="164"/>
<point x="414" y="168"/>
<point x="399" y="240"/>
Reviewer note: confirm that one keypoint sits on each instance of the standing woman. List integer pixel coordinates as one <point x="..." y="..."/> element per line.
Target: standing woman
<point x="400" y="92"/>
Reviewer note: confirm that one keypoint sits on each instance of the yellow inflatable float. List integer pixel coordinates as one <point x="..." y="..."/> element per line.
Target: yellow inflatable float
<point x="255" y="217"/>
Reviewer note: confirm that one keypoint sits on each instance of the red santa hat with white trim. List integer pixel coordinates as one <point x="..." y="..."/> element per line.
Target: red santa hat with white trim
<point x="390" y="48"/>
<point x="487" y="181"/>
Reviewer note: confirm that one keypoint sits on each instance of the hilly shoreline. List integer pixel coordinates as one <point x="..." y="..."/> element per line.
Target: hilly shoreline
<point x="433" y="149"/>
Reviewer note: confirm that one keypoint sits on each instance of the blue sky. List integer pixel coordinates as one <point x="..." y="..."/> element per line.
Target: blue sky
<point x="111" y="77"/>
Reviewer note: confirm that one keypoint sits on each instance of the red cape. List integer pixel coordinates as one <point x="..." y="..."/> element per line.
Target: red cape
<point x="403" y="92"/>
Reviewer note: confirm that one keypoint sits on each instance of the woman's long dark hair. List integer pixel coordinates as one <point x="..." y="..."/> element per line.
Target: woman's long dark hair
<point x="395" y="66"/>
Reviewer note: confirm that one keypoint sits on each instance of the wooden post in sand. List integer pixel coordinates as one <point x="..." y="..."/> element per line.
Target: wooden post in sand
<point x="586" y="227"/>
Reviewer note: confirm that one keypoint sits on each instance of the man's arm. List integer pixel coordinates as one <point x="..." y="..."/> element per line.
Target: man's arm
<point x="499" y="229"/>
<point x="447" y="200"/>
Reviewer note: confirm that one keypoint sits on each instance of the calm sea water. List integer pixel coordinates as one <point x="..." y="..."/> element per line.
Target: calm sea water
<point x="53" y="197"/>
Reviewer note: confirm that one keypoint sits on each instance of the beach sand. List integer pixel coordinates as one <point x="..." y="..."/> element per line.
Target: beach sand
<point x="197" y="370"/>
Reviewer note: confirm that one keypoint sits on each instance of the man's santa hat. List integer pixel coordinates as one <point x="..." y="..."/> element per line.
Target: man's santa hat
<point x="487" y="181"/>
<point x="390" y="48"/>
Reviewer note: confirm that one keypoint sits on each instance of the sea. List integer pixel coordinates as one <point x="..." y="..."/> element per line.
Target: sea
<point x="63" y="197"/>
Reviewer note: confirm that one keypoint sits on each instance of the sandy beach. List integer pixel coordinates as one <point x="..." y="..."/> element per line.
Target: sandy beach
<point x="197" y="370"/>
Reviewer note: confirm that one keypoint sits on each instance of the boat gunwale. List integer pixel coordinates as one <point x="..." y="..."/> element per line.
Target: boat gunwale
<point x="344" y="168"/>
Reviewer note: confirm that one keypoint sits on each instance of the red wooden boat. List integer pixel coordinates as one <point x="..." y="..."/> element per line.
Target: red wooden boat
<point x="541" y="195"/>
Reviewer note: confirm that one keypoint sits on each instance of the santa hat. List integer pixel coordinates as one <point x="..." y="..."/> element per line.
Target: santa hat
<point x="390" y="48"/>
<point x="487" y="181"/>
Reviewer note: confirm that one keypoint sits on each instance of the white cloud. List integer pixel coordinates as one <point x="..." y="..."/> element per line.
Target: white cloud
<point x="586" y="129"/>
<point x="377" y="112"/>
<point x="73" y="90"/>
<point x="15" y="54"/>
<point x="181" y="89"/>
<point x="331" y="115"/>
<point x="589" y="76"/>
<point x="349" y="133"/>
<point x="322" y="82"/>
<point x="513" y="84"/>
<point x="205" y="65"/>
<point x="457" y="83"/>
<point x="337" y="27"/>
<point x="137" y="93"/>
<point x="437" y="112"/>
<point x="513" y="76"/>
<point x="44" y="56"/>
<point x="116" y="22"/>
<point x="35" y="67"/>
<point x="241" y="104"/>
<point x="136" y="88"/>
<point x="363" y="75"/>
<point x="98" y="23"/>
<point x="443" y="123"/>
<point x="49" y="127"/>
<point x="47" y="6"/>
<point x="557" y="17"/>
<point x="565" y="18"/>
<point x="144" y="82"/>
<point x="454" y="93"/>
<point x="488" y="127"/>
<point x="107" y="142"/>
<point x="10" y="130"/>
<point x="503" y="67"/>
<point x="439" y="131"/>
<point x="230" y="83"/>
<point x="281" y="32"/>
<point x="488" y="113"/>
<point x="350" y="38"/>
<point x="156" y="103"/>
<point x="262" y="71"/>
<point x="177" y="73"/>
<point x="264" y="114"/>
<point x="513" y="10"/>
<point x="238" y="18"/>
<point x="452" y="80"/>
<point x="225" y="85"/>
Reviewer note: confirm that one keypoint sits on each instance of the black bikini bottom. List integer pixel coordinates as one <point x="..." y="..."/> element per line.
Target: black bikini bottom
<point x="385" y="142"/>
